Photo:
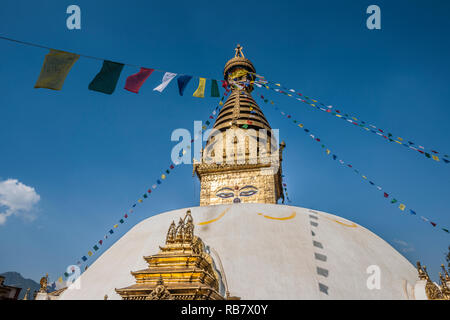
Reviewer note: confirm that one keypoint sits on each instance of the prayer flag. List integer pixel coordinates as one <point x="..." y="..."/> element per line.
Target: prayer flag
<point x="106" y="80"/>
<point x="55" y="69"/>
<point x="95" y="247"/>
<point x="100" y="242"/>
<point x="200" y="92"/>
<point x="60" y="280"/>
<point x="121" y="221"/>
<point x="111" y="231"/>
<point x="435" y="158"/>
<point x="386" y="195"/>
<point x="433" y="224"/>
<point x="90" y="253"/>
<point x="168" y="76"/>
<point x="402" y="206"/>
<point x="183" y="80"/>
<point x="135" y="81"/>
<point x="84" y="258"/>
<point x="393" y="200"/>
<point x="116" y="225"/>
<point x="412" y="211"/>
<point x="445" y="230"/>
<point x="214" y="89"/>
<point x="66" y="274"/>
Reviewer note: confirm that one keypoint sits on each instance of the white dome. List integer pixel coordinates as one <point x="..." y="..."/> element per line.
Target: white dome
<point x="267" y="252"/>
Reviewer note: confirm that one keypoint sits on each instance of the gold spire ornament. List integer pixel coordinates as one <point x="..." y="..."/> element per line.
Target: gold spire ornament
<point x="241" y="161"/>
<point x="43" y="283"/>
<point x="432" y="291"/>
<point x="182" y="270"/>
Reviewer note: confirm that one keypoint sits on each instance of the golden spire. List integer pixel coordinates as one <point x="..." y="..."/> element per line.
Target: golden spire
<point x="247" y="169"/>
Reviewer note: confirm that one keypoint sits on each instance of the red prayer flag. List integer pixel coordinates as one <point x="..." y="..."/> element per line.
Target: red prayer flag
<point x="135" y="81"/>
<point x="386" y="195"/>
<point x="126" y="216"/>
<point x="149" y="190"/>
<point x="434" y="224"/>
<point x="101" y="241"/>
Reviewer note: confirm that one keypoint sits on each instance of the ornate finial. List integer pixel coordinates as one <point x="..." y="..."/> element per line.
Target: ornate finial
<point x="422" y="273"/>
<point x="171" y="233"/>
<point x="188" y="227"/>
<point x="239" y="51"/>
<point x="447" y="277"/>
<point x="179" y="230"/>
<point x="43" y="283"/>
<point x="26" y="294"/>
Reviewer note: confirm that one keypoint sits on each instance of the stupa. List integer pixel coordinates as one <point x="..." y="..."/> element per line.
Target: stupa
<point x="245" y="244"/>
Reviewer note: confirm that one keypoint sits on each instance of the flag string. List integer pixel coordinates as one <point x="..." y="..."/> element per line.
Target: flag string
<point x="82" y="55"/>
<point x="428" y="153"/>
<point x="401" y="206"/>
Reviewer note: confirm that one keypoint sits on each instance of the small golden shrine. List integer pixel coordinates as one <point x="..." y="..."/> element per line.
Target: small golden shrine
<point x="182" y="270"/>
<point x="432" y="290"/>
<point x="241" y="161"/>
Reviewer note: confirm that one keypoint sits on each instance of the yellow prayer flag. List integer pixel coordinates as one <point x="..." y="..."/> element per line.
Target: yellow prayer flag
<point x="364" y="177"/>
<point x="220" y="103"/>
<point x="338" y="115"/>
<point x="435" y="157"/>
<point x="200" y="92"/>
<point x="300" y="125"/>
<point x="60" y="280"/>
<point x="402" y="206"/>
<point x="163" y="176"/>
<point x="290" y="95"/>
<point x="312" y="104"/>
<point x="314" y="100"/>
<point x="328" y="151"/>
<point x="55" y="69"/>
<point x="90" y="253"/>
<point x="140" y="200"/>
<point x="277" y="84"/>
<point x="116" y="225"/>
<point x="401" y="139"/>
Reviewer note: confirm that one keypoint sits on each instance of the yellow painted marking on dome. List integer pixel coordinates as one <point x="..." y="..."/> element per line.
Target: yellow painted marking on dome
<point x="215" y="219"/>
<point x="353" y="225"/>
<point x="275" y="218"/>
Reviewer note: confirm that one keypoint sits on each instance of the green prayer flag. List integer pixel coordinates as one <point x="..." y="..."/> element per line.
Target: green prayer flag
<point x="214" y="89"/>
<point x="445" y="230"/>
<point x="121" y="221"/>
<point x="95" y="248"/>
<point x="393" y="200"/>
<point x="427" y="155"/>
<point x="145" y="195"/>
<point x="106" y="80"/>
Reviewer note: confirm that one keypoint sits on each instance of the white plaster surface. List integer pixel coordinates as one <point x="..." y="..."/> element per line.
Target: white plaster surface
<point x="264" y="258"/>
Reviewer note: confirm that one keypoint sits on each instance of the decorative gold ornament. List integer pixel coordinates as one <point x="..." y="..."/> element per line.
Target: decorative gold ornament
<point x="434" y="292"/>
<point x="43" y="283"/>
<point x="182" y="270"/>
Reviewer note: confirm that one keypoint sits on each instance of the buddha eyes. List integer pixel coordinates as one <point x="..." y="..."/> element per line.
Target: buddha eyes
<point x="247" y="193"/>
<point x="225" y="195"/>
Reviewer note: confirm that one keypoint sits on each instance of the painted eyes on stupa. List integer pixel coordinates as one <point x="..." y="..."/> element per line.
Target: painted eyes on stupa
<point x="246" y="191"/>
<point x="225" y="195"/>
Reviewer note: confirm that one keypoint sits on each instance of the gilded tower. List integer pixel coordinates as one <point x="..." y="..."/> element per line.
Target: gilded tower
<point x="241" y="161"/>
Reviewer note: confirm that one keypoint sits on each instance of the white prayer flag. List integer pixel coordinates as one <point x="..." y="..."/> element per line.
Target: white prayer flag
<point x="168" y="76"/>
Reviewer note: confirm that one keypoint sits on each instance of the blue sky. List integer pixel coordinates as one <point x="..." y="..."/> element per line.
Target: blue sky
<point x="89" y="156"/>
